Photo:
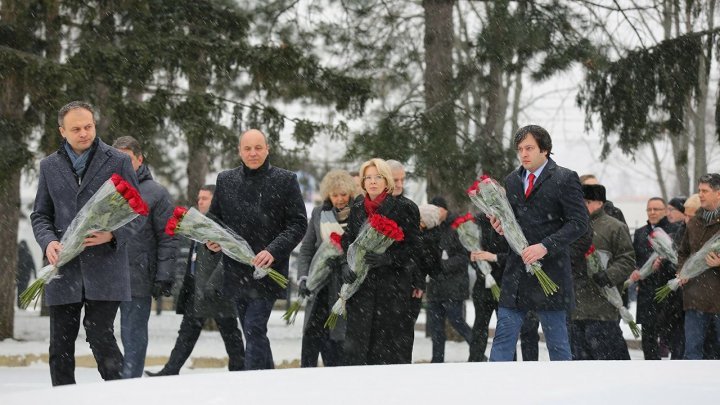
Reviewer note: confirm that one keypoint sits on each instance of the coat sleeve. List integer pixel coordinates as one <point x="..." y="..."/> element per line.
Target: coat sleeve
<point x="623" y="259"/>
<point x="684" y="249"/>
<point x="295" y="220"/>
<point x="575" y="216"/>
<point x="43" y="215"/>
<point x="126" y="232"/>
<point x="458" y="258"/>
<point x="166" y="244"/>
<point x="409" y="221"/>
<point x="307" y="248"/>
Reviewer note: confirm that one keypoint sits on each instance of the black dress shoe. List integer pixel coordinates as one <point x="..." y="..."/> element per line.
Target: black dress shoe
<point x="160" y="373"/>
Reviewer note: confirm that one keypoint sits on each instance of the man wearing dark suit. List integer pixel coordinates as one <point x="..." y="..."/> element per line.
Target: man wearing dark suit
<point x="99" y="278"/>
<point x="262" y="204"/>
<point x="547" y="201"/>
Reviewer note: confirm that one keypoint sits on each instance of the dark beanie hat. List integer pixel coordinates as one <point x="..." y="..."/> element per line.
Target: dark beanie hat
<point x="439" y="202"/>
<point x="678" y="203"/>
<point x="593" y="192"/>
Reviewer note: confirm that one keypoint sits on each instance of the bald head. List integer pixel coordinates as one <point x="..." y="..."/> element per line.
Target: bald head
<point x="253" y="148"/>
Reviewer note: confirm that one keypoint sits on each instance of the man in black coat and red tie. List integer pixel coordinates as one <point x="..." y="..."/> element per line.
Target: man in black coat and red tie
<point x="548" y="204"/>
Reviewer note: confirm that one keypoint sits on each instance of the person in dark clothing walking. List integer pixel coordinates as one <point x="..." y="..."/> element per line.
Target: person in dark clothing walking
<point x="647" y="308"/>
<point x="338" y="190"/>
<point x="546" y="200"/>
<point x="201" y="298"/>
<point x="99" y="278"/>
<point x="494" y="252"/>
<point x="152" y="255"/>
<point x="448" y="288"/>
<point x="608" y="206"/>
<point x="25" y="268"/>
<point x="262" y="204"/>
<point x="413" y="304"/>
<point x="375" y="313"/>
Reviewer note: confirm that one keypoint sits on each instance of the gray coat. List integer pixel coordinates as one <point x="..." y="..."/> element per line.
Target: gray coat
<point x="309" y="246"/>
<point x="99" y="272"/>
<point x="152" y="251"/>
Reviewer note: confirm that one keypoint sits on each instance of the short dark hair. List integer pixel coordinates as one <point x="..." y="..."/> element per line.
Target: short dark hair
<point x="662" y="200"/>
<point x="208" y="187"/>
<point x="74" y="105"/>
<point x="541" y="135"/>
<point x="711" y="179"/>
<point x="129" y="143"/>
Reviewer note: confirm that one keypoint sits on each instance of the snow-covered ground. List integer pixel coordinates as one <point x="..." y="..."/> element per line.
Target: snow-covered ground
<point x="28" y="352"/>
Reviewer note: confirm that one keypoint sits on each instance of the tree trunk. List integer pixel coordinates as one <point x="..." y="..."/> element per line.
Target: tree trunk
<point x="440" y="125"/>
<point x="658" y="171"/>
<point x="198" y="155"/>
<point x="699" y="143"/>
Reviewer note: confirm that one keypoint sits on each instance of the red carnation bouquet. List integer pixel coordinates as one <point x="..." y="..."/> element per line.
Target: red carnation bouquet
<point x="192" y="224"/>
<point x="376" y="235"/>
<point x="597" y="261"/>
<point x="490" y="197"/>
<point x="469" y="234"/>
<point x="115" y="204"/>
<point x="318" y="273"/>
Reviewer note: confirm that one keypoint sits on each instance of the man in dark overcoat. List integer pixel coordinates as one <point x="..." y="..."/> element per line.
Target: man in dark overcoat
<point x="98" y="279"/>
<point x="548" y="204"/>
<point x="262" y="204"/>
<point x="152" y="257"/>
<point x="648" y="309"/>
<point x="201" y="298"/>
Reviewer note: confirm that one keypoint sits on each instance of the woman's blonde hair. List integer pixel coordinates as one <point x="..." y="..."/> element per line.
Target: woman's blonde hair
<point x="692" y="202"/>
<point x="337" y="181"/>
<point x="383" y="169"/>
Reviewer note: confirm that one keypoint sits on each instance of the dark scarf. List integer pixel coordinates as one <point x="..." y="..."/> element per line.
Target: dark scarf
<point x="79" y="162"/>
<point x="372" y="205"/>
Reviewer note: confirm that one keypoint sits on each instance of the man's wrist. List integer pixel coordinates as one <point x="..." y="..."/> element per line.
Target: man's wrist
<point x="543" y="246"/>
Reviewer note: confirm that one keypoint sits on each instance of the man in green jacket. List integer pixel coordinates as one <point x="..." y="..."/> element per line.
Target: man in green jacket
<point x="595" y="332"/>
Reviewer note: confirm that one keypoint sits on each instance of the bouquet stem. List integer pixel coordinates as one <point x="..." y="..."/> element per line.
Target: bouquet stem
<point x="291" y="314"/>
<point x="495" y="291"/>
<point x="548" y="286"/>
<point x="281" y="280"/>
<point x="634" y="329"/>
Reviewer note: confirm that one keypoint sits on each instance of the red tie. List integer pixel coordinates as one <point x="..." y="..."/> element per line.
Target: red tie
<point x="531" y="183"/>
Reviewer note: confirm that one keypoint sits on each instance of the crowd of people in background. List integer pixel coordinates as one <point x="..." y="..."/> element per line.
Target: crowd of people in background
<point x="560" y="213"/>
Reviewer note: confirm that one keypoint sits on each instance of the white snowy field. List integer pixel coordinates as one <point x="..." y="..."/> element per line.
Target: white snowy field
<point x="204" y="379"/>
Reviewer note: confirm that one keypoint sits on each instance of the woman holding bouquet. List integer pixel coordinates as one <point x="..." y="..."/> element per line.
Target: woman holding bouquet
<point x="375" y="311"/>
<point x="337" y="190"/>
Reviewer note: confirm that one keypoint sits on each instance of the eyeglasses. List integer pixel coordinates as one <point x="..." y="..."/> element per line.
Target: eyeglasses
<point x="654" y="209"/>
<point x="376" y="177"/>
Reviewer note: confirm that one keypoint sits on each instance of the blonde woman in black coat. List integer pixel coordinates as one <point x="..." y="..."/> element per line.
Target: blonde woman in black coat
<point x="374" y="313"/>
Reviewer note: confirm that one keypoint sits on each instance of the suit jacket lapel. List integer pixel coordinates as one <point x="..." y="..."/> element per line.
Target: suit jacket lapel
<point x="97" y="162"/>
<point x="67" y="174"/>
<point x="546" y="174"/>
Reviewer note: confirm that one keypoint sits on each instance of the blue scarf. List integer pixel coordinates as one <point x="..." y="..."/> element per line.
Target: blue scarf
<point x="79" y="162"/>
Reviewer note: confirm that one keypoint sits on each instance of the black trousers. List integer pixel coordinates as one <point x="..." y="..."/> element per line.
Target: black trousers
<point x="406" y="337"/>
<point x="188" y="335"/>
<point x="597" y="340"/>
<point x="98" y="322"/>
<point x="484" y="305"/>
<point x="374" y="320"/>
<point x="316" y="339"/>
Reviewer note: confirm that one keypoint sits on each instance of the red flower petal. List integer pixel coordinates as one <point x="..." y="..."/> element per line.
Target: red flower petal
<point x="171" y="225"/>
<point x="116" y="179"/>
<point x="180" y="211"/>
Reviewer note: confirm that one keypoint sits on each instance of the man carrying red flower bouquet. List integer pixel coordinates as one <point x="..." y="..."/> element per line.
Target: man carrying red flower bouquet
<point x="263" y="205"/>
<point x="99" y="278"/>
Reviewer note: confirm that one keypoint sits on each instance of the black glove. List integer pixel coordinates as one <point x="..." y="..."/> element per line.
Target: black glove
<point x="377" y="259"/>
<point x="162" y="288"/>
<point x="334" y="263"/>
<point x="601" y="279"/>
<point x="302" y="289"/>
<point x="348" y="276"/>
